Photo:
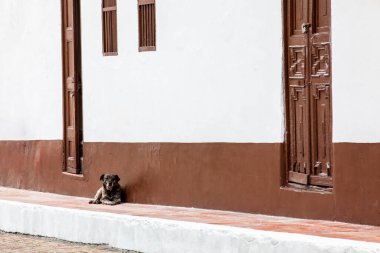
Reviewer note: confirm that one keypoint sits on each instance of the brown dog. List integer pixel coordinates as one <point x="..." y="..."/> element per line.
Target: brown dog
<point x="110" y="192"/>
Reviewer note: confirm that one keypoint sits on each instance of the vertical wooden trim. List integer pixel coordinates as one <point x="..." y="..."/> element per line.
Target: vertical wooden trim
<point x="285" y="150"/>
<point x="331" y="100"/>
<point x="79" y="102"/>
<point x="63" y="52"/>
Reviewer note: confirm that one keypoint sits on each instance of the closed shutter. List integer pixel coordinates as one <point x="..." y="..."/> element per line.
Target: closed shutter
<point x="109" y="20"/>
<point x="72" y="90"/>
<point x="147" y="25"/>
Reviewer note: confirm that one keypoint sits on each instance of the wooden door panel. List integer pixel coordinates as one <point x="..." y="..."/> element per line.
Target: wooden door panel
<point x="320" y="79"/>
<point x="71" y="89"/>
<point x="298" y="91"/>
<point x="321" y="15"/>
<point x="309" y="92"/>
<point x="297" y="57"/>
<point x="320" y="57"/>
<point x="320" y="60"/>
<point x="299" y="150"/>
<point x="321" y="129"/>
<point x="298" y="11"/>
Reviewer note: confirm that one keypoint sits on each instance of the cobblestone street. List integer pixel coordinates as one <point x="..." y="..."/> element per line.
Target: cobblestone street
<point x="19" y="243"/>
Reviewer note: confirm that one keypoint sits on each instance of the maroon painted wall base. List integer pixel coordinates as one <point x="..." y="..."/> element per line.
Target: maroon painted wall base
<point x="226" y="176"/>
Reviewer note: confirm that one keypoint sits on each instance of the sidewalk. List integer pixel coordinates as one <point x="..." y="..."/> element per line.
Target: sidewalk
<point x="149" y="228"/>
<point x="19" y="243"/>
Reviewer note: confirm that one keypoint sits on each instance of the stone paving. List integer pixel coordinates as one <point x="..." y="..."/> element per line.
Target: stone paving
<point x="19" y="243"/>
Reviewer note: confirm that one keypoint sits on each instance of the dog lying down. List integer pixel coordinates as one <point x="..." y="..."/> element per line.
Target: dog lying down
<point x="110" y="192"/>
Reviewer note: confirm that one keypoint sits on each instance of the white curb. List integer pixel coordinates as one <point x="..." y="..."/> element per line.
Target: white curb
<point x="152" y="235"/>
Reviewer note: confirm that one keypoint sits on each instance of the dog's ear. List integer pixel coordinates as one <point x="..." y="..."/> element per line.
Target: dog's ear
<point x="117" y="178"/>
<point x="102" y="177"/>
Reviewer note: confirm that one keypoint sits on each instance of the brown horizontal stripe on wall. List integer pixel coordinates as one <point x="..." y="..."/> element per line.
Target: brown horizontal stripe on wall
<point x="357" y="182"/>
<point x="226" y="176"/>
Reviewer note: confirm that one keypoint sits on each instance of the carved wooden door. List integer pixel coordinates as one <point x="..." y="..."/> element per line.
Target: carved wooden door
<point x="72" y="97"/>
<point x="309" y="92"/>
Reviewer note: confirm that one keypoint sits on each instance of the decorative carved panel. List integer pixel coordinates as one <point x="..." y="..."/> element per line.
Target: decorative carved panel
<point x="322" y="134"/>
<point x="320" y="56"/>
<point x="298" y="125"/>
<point x="297" y="62"/>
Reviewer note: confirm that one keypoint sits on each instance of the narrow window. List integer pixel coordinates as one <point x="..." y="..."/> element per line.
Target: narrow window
<point x="109" y="27"/>
<point x="147" y="25"/>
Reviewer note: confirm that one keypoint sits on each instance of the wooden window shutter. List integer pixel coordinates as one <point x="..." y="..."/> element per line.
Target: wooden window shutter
<point x="109" y="27"/>
<point x="72" y="86"/>
<point x="147" y="25"/>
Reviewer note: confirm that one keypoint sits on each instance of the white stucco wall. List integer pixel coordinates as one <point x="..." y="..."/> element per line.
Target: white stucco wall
<point x="356" y="69"/>
<point x="30" y="70"/>
<point x="216" y="75"/>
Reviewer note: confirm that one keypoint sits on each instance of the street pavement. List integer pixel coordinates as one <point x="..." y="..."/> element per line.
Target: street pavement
<point x="19" y="243"/>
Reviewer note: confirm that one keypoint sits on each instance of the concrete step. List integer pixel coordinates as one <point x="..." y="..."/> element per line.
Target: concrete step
<point x="163" y="229"/>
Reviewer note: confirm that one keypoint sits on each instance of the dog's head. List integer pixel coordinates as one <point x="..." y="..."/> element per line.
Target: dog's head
<point x="109" y="181"/>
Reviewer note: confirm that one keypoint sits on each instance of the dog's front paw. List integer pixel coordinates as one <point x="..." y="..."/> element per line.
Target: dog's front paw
<point x="107" y="202"/>
<point x="94" y="202"/>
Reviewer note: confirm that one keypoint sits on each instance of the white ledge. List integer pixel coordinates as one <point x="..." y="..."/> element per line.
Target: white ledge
<point x="152" y="235"/>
